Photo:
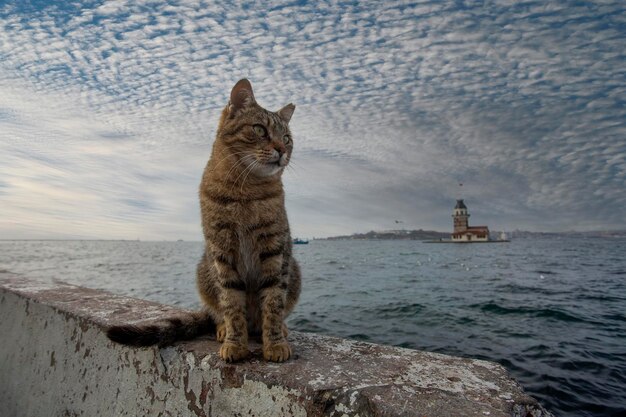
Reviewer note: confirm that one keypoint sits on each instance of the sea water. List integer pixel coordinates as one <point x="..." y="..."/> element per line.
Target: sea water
<point x="551" y="310"/>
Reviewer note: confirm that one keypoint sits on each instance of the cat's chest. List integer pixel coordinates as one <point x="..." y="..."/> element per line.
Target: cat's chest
<point x="249" y="265"/>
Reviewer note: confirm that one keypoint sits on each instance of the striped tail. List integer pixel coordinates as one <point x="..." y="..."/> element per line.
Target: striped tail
<point x="163" y="332"/>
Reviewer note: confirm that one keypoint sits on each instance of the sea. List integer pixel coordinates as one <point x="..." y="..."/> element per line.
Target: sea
<point x="552" y="310"/>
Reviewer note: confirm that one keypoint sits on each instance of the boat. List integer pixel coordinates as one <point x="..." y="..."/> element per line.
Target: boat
<point x="298" y="241"/>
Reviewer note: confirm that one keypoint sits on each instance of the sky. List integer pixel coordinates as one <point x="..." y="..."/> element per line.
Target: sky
<point x="108" y="112"/>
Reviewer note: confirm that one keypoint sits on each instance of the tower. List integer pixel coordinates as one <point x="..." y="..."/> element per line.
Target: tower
<point x="461" y="217"/>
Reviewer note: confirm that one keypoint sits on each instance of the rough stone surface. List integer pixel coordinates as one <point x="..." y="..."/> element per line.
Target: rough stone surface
<point x="55" y="360"/>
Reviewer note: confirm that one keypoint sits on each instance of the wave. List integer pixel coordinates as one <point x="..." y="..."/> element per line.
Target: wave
<point x="395" y="310"/>
<point x="549" y="313"/>
<point x="545" y="272"/>
<point x="599" y="297"/>
<point x="616" y="317"/>
<point x="515" y="288"/>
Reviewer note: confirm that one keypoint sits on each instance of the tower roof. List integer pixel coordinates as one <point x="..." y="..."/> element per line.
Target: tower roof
<point x="460" y="205"/>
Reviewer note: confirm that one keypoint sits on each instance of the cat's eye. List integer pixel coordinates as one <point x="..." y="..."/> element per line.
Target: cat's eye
<point x="286" y="139"/>
<point x="260" y="130"/>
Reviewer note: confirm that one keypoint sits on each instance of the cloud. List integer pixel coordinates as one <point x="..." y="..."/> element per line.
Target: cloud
<point x="109" y="109"/>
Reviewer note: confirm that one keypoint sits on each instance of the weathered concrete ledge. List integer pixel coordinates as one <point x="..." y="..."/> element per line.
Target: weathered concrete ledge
<point x="55" y="360"/>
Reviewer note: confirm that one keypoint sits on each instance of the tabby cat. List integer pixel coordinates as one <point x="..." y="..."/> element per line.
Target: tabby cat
<point x="247" y="277"/>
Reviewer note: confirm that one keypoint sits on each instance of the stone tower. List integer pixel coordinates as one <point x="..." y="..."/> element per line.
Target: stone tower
<point x="461" y="217"/>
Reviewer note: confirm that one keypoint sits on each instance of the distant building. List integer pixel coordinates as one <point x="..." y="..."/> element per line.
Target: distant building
<point x="462" y="230"/>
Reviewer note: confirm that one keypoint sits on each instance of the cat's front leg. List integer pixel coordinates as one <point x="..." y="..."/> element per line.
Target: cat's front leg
<point x="232" y="301"/>
<point x="235" y="344"/>
<point x="273" y="297"/>
<point x="275" y="346"/>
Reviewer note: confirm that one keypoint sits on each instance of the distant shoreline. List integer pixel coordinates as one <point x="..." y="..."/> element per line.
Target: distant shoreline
<point x="435" y="235"/>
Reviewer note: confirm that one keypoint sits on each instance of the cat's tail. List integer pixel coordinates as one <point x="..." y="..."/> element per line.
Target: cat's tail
<point x="163" y="332"/>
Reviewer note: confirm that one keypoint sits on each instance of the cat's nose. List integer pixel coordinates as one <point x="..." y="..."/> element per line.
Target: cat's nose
<point x="280" y="148"/>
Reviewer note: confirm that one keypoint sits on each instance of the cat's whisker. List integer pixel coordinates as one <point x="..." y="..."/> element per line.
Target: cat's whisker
<point x="241" y="161"/>
<point x="228" y="156"/>
<point x="295" y="165"/>
<point x="254" y="164"/>
<point x="293" y="170"/>
<point x="227" y="148"/>
<point x="232" y="168"/>
<point x="291" y="167"/>
<point x="249" y="167"/>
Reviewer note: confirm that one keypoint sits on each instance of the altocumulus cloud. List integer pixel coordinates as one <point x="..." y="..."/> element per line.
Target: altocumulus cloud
<point x="108" y="111"/>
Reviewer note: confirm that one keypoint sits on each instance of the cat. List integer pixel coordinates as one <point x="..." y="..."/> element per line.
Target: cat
<point x="247" y="277"/>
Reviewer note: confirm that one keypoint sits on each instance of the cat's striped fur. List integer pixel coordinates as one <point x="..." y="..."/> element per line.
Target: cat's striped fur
<point x="247" y="277"/>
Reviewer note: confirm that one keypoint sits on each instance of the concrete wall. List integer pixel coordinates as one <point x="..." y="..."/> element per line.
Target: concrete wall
<point x="55" y="360"/>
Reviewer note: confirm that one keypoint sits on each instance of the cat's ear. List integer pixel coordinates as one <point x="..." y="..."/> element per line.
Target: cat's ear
<point x="241" y="96"/>
<point x="286" y="112"/>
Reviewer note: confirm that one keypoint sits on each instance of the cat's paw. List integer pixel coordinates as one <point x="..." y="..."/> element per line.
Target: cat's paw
<point x="232" y="352"/>
<point x="276" y="352"/>
<point x="220" y="333"/>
